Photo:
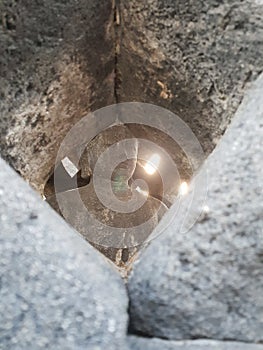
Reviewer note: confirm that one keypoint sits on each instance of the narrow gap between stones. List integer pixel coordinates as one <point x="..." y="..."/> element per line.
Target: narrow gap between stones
<point x="146" y="54"/>
<point x="123" y="258"/>
<point x="198" y="73"/>
<point x="117" y="43"/>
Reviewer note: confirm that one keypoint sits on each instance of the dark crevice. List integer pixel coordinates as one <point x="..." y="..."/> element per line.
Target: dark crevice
<point x="117" y="43"/>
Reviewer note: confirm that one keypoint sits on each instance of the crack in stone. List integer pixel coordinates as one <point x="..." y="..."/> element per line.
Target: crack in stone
<point x="117" y="43"/>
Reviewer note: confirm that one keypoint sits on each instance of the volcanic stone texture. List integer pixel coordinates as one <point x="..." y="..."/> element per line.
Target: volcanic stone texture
<point x="56" y="64"/>
<point x="192" y="57"/>
<point x="56" y="291"/>
<point x="157" y="344"/>
<point x="208" y="282"/>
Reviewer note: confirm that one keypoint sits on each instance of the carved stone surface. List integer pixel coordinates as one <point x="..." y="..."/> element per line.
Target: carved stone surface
<point x="192" y="57"/>
<point x="208" y="282"/>
<point x="56" y="291"/>
<point x="57" y="64"/>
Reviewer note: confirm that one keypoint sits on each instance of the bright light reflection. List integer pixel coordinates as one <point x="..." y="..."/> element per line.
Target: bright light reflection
<point x="183" y="189"/>
<point x="145" y="193"/>
<point x="206" y="209"/>
<point x="151" y="166"/>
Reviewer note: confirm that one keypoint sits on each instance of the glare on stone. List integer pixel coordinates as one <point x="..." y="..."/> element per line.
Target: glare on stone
<point x="183" y="189"/>
<point x="145" y="193"/>
<point x="206" y="209"/>
<point x="70" y="167"/>
<point x="152" y="164"/>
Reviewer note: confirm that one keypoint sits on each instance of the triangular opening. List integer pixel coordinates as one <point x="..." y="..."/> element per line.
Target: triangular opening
<point x="58" y="65"/>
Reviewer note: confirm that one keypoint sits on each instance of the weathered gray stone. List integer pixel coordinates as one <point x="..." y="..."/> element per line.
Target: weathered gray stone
<point x="60" y="60"/>
<point x="101" y="232"/>
<point x="157" y="344"/>
<point x="192" y="57"/>
<point x="56" y="291"/>
<point x="57" y="64"/>
<point x="208" y="282"/>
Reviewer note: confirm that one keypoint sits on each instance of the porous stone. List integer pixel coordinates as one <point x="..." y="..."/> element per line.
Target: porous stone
<point x="157" y="344"/>
<point x="57" y="64"/>
<point x="208" y="282"/>
<point x="56" y="291"/>
<point x="104" y="227"/>
<point x="61" y="60"/>
<point x="192" y="57"/>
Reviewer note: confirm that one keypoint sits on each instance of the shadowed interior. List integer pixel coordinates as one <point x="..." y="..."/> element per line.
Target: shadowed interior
<point x="61" y="60"/>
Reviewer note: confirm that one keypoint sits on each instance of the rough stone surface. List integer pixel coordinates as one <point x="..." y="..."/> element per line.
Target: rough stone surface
<point x="56" y="291"/>
<point x="192" y="57"/>
<point x="57" y="64"/>
<point x="208" y="282"/>
<point x="103" y="230"/>
<point x="60" y="60"/>
<point x="157" y="344"/>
